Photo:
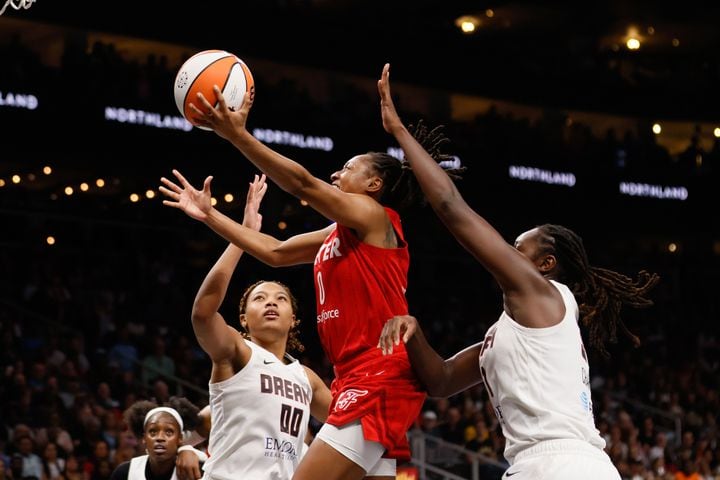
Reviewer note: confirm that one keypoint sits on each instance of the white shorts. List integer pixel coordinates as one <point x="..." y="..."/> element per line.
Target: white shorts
<point x="562" y="460"/>
<point x="350" y="442"/>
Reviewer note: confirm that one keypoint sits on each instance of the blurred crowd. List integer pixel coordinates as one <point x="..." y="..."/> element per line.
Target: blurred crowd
<point x="89" y="328"/>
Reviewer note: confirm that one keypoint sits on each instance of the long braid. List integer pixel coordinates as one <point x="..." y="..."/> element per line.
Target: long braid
<point x="401" y="187"/>
<point x="601" y="293"/>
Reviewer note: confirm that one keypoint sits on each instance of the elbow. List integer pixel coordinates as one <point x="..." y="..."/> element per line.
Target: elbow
<point x="200" y="314"/>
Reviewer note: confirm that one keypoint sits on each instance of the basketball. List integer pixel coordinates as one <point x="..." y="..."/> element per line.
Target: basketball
<point x="207" y="68"/>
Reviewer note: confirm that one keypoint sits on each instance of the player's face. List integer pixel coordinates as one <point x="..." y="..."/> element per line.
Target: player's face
<point x="528" y="244"/>
<point x="269" y="305"/>
<point x="162" y="437"/>
<point x="354" y="176"/>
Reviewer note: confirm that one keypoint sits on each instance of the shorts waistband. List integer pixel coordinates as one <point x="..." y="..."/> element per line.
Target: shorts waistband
<point x="561" y="446"/>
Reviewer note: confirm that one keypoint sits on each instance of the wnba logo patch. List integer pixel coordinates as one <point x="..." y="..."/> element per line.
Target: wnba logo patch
<point x="348" y="397"/>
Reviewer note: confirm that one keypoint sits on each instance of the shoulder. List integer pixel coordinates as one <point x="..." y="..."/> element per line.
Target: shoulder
<point x="313" y="377"/>
<point x="121" y="471"/>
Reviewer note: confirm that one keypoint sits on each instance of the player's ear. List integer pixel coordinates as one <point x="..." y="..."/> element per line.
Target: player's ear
<point x="375" y="184"/>
<point x="547" y="263"/>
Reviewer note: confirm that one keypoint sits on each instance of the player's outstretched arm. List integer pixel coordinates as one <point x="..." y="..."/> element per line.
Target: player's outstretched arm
<point x="351" y="210"/>
<point x="512" y="270"/>
<point x="220" y="341"/>
<point x="268" y="249"/>
<point x="441" y="378"/>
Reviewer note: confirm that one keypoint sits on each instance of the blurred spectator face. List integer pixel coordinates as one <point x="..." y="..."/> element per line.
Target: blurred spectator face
<point x="72" y="464"/>
<point x="21" y="430"/>
<point x="429" y="420"/>
<point x="25" y="445"/>
<point x="453" y="415"/>
<point x="50" y="452"/>
<point x="159" y="346"/>
<point x="688" y="439"/>
<point x="103" y="390"/>
<point x="161" y="391"/>
<point x="101" y="449"/>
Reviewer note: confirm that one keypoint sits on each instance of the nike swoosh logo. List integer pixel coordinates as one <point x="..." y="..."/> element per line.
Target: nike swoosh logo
<point x="508" y="474"/>
<point x="267" y="363"/>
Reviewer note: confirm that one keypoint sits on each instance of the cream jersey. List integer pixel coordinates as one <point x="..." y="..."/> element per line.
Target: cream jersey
<point x="259" y="420"/>
<point x="538" y="380"/>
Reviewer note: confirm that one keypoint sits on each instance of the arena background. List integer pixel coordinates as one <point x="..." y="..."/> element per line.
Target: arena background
<point x="553" y="115"/>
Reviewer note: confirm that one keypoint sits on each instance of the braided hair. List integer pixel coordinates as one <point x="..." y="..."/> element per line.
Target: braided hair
<point x="134" y="416"/>
<point x="401" y="189"/>
<point x="600" y="292"/>
<point x="293" y="341"/>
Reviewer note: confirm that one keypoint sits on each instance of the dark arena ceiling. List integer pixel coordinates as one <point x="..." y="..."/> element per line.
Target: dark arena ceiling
<point x="564" y="54"/>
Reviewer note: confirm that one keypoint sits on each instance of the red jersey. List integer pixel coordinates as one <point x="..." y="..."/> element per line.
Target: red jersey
<point x="359" y="287"/>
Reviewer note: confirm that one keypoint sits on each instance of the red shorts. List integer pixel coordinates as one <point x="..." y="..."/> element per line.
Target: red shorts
<point x="383" y="392"/>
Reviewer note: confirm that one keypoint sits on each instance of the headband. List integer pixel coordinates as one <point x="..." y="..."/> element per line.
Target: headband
<point x="169" y="410"/>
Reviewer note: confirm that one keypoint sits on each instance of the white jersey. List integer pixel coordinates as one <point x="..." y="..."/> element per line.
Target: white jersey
<point x="538" y="380"/>
<point x="259" y="420"/>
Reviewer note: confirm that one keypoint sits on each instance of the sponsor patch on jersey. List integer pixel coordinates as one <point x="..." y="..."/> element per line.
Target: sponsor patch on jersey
<point x="281" y="449"/>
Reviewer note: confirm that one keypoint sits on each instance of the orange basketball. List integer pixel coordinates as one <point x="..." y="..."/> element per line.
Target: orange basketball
<point x="205" y="69"/>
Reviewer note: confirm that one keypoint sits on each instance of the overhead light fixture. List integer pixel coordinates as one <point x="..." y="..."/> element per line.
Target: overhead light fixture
<point x="467" y="23"/>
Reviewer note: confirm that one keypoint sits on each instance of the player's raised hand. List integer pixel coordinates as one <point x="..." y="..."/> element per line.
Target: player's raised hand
<point x="256" y="192"/>
<point x="187" y="466"/>
<point x="390" y="118"/>
<point x="225" y="121"/>
<point x="399" y="327"/>
<point x="195" y="203"/>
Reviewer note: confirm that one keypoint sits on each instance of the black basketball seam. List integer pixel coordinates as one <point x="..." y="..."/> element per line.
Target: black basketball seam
<point x="196" y="77"/>
<point x="228" y="77"/>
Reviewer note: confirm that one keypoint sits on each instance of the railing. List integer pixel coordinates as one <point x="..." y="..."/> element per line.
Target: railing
<point x="431" y="454"/>
<point x="672" y="418"/>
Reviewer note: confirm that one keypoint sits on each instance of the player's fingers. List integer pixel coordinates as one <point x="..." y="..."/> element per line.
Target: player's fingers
<point x="247" y="103"/>
<point x="222" y="104"/>
<point x="399" y="325"/>
<point x="182" y="180"/>
<point x="170" y="185"/>
<point x="199" y="113"/>
<point x="204" y="102"/>
<point x="169" y="193"/>
<point x="206" y="184"/>
<point x="382" y="341"/>
<point x="409" y="332"/>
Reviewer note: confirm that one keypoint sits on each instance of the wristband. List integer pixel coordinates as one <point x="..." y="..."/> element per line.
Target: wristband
<point x="202" y="456"/>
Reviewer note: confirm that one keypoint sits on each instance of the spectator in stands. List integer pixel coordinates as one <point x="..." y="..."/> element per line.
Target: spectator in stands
<point x="53" y="465"/>
<point x="32" y="466"/>
<point x="123" y="354"/>
<point x="157" y="364"/>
